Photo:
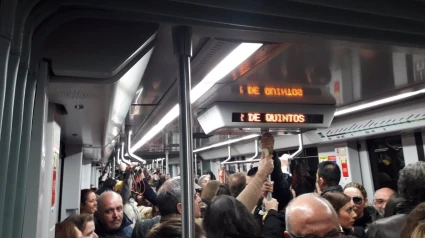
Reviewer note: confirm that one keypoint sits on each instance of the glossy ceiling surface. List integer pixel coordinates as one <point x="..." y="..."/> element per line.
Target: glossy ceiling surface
<point x="119" y="62"/>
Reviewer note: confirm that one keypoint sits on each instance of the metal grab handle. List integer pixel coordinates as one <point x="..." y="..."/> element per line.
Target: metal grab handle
<point x="127" y="162"/>
<point x="300" y="146"/>
<point x="130" y="154"/>
<point x="228" y="158"/>
<point x="250" y="160"/>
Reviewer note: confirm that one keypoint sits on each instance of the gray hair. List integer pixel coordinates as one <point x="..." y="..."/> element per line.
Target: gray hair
<point x="202" y="177"/>
<point x="411" y="182"/>
<point x="314" y="198"/>
<point x="168" y="196"/>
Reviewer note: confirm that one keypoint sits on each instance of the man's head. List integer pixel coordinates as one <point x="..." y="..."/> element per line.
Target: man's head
<point x="267" y="141"/>
<point x="411" y="182"/>
<point x="237" y="183"/>
<point x="380" y="200"/>
<point x="251" y="173"/>
<point x="204" y="180"/>
<point x="110" y="210"/>
<point x="169" y="196"/>
<point x="328" y="175"/>
<point x="310" y="214"/>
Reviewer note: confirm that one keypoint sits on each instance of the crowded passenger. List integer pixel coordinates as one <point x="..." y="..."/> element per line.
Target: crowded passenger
<point x="209" y="191"/>
<point x="419" y="231"/>
<point x="88" y="202"/>
<point x="223" y="189"/>
<point x="110" y="219"/>
<point x="411" y="187"/>
<point x="392" y="203"/>
<point x="237" y="183"/>
<point x="169" y="205"/>
<point x="67" y="230"/>
<point x="365" y="214"/>
<point x="204" y="180"/>
<point x="328" y="177"/>
<point x="281" y="181"/>
<point x="309" y="215"/>
<point x="413" y="220"/>
<point x="381" y="198"/>
<point x="85" y="223"/>
<point x="172" y="228"/>
<point x="346" y="215"/>
<point x="228" y="217"/>
<point x="169" y="198"/>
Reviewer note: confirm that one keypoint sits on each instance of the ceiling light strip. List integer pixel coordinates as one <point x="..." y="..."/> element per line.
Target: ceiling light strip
<point x="377" y="102"/>
<point x="227" y="142"/>
<point x="229" y="63"/>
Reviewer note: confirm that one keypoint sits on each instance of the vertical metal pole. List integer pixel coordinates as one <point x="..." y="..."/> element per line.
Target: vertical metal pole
<point x="113" y="167"/>
<point x="196" y="166"/>
<point x="183" y="50"/>
<point x="166" y="162"/>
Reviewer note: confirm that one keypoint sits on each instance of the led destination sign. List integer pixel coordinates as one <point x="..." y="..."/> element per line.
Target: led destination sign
<point x="255" y="117"/>
<point x="276" y="91"/>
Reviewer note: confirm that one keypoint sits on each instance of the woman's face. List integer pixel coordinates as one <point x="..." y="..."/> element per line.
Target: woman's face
<point x="347" y="216"/>
<point x="90" y="206"/>
<point x="89" y="230"/>
<point x="78" y="233"/>
<point x="357" y="199"/>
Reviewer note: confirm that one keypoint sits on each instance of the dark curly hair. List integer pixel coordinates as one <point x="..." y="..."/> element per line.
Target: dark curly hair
<point x="411" y="182"/>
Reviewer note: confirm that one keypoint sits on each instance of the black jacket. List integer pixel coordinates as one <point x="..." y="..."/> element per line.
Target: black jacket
<point x="282" y="183"/>
<point x="390" y="227"/>
<point x="336" y="188"/>
<point x="124" y="231"/>
<point x="149" y="194"/>
<point x="272" y="228"/>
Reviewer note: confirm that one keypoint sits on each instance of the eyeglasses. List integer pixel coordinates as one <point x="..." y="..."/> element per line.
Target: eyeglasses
<point x="357" y="200"/>
<point x="332" y="234"/>
<point x="380" y="201"/>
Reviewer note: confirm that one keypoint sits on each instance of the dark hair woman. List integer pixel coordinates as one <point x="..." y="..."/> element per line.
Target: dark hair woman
<point x="67" y="230"/>
<point x="227" y="217"/>
<point x="414" y="219"/>
<point x="346" y="215"/>
<point x="85" y="223"/>
<point x="88" y="202"/>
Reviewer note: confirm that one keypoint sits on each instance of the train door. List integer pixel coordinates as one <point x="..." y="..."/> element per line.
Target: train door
<point x="386" y="160"/>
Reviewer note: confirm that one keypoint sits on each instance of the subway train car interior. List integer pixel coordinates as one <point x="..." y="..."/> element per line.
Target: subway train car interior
<point x="96" y="91"/>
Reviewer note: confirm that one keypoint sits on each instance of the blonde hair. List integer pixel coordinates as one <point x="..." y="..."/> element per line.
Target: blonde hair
<point x="419" y="231"/>
<point x="359" y="187"/>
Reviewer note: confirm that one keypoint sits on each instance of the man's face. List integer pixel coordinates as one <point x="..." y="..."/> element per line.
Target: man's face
<point x="381" y="199"/>
<point x="204" y="181"/>
<point x="197" y="203"/>
<point x="320" y="185"/>
<point x="267" y="142"/>
<point x="111" y="215"/>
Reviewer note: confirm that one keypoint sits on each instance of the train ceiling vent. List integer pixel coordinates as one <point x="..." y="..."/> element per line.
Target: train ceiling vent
<point x="395" y="122"/>
<point x="76" y="93"/>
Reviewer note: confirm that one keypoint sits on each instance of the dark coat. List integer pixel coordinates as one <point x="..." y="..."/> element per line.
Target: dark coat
<point x="124" y="231"/>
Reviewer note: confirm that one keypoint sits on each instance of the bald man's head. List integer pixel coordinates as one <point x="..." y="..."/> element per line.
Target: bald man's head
<point x="110" y="210"/>
<point x="380" y="200"/>
<point x="310" y="214"/>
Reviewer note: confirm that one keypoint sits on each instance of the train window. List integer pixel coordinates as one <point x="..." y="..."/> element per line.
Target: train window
<point x="386" y="160"/>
